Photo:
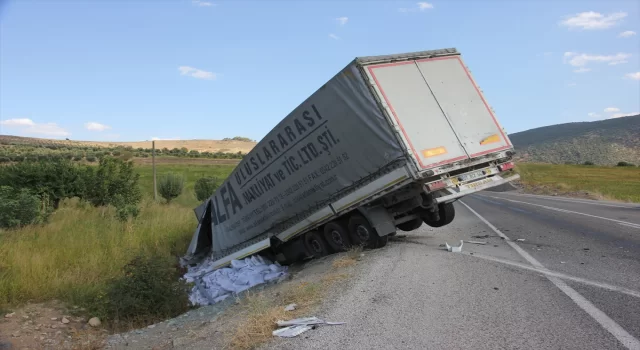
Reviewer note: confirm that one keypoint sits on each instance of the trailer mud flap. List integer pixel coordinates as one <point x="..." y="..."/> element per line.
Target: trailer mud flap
<point x="380" y="219"/>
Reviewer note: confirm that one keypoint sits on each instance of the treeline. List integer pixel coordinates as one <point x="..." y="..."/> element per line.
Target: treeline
<point x="19" y="153"/>
<point x="31" y="191"/>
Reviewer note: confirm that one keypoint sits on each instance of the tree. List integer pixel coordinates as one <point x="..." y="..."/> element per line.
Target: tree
<point x="170" y="186"/>
<point x="19" y="207"/>
<point x="588" y="163"/>
<point x="205" y="187"/>
<point x="625" y="164"/>
<point x="113" y="182"/>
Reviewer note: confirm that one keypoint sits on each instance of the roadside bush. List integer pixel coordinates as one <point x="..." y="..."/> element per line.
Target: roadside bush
<point x="588" y="163"/>
<point x="51" y="180"/>
<point x="5" y="159"/>
<point x="19" y="207"/>
<point x="205" y="187"/>
<point x="170" y="186"/>
<point x="113" y="182"/>
<point x="149" y="290"/>
<point x="91" y="158"/>
<point x="625" y="164"/>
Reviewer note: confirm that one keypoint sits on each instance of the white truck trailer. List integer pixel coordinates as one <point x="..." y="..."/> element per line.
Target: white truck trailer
<point x="388" y="143"/>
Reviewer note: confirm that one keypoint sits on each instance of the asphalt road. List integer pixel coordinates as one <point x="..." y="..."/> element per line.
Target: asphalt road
<point x="572" y="283"/>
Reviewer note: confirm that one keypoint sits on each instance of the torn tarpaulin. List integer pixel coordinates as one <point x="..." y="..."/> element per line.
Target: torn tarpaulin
<point x="213" y="286"/>
<point x="293" y="328"/>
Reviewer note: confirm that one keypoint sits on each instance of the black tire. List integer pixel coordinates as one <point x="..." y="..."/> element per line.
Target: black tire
<point x="447" y="213"/>
<point x="362" y="233"/>
<point x="315" y="244"/>
<point x="337" y="235"/>
<point x="410" y="225"/>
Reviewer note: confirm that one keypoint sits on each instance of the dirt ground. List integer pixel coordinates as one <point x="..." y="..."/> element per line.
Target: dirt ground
<point x="49" y="325"/>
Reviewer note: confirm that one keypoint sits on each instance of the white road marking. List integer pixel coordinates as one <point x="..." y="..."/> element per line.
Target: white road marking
<point x="572" y="200"/>
<point x="605" y="321"/>
<point x="560" y="275"/>
<point x="569" y="211"/>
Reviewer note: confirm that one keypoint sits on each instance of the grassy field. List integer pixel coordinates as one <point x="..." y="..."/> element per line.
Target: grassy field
<point x="617" y="183"/>
<point x="81" y="248"/>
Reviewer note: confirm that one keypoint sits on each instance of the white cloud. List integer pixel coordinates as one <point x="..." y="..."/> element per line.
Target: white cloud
<point x="342" y="20"/>
<point x="202" y="3"/>
<point x="420" y="6"/>
<point x="333" y="36"/>
<point x="611" y="109"/>
<point x="634" y="76"/>
<point x="197" y="73"/>
<point x="17" y="122"/>
<point x="627" y="34"/>
<point x="593" y="115"/>
<point x="572" y="84"/>
<point x="424" y="6"/>
<point x="593" y="20"/>
<point x="28" y="126"/>
<point x="580" y="60"/>
<point x="93" y="126"/>
<point x="620" y="115"/>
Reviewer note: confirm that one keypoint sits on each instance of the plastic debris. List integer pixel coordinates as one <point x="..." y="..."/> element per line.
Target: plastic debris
<point x="520" y="240"/>
<point x="295" y="327"/>
<point x="291" y="331"/>
<point x="454" y="249"/>
<point x="481" y="237"/>
<point x="290" y="307"/>
<point x="476" y="242"/>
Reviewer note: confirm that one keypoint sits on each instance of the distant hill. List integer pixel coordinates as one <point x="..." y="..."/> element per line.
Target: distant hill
<point x="603" y="142"/>
<point x="225" y="146"/>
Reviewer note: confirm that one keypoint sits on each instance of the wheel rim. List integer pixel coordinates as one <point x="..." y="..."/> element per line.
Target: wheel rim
<point x="336" y="237"/>
<point x="316" y="246"/>
<point x="363" y="233"/>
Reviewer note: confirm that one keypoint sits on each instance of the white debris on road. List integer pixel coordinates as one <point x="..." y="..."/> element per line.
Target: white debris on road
<point x="295" y="327"/>
<point x="213" y="286"/>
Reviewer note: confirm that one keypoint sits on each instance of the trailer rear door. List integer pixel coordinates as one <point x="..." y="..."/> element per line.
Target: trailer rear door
<point x="441" y="114"/>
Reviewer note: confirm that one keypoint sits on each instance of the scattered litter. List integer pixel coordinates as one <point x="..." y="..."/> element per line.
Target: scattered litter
<point x="585" y="248"/>
<point x="290" y="307"/>
<point x="454" y="249"/>
<point x="476" y="242"/>
<point x="295" y="327"/>
<point x="65" y="320"/>
<point x="9" y="315"/>
<point x="520" y="240"/>
<point x="538" y="249"/>
<point x="291" y="331"/>
<point x="481" y="237"/>
<point x="563" y="262"/>
<point x="496" y="288"/>
<point x="215" y="285"/>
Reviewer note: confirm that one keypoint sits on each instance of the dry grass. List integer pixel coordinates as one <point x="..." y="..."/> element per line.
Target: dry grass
<point x="198" y="145"/>
<point x="260" y="311"/>
<point x="349" y="258"/>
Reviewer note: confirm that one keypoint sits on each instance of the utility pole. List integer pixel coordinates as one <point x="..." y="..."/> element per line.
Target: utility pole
<point x="153" y="164"/>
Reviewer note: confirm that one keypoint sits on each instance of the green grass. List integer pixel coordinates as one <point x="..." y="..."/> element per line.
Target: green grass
<point x="81" y="248"/>
<point x="617" y="183"/>
<point x="191" y="173"/>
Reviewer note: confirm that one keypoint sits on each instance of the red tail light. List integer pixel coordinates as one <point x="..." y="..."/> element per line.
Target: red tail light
<point x="506" y="166"/>
<point x="436" y="185"/>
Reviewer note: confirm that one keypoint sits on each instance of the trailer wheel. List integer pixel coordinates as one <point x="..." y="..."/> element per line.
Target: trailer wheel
<point x="315" y="244"/>
<point x="411" y="225"/>
<point x="337" y="235"/>
<point x="447" y="212"/>
<point x="363" y="234"/>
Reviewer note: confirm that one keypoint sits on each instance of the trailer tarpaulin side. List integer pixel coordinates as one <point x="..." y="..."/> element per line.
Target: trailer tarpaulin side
<point x="332" y="140"/>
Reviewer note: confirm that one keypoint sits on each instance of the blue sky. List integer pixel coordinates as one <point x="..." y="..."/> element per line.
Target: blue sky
<point x="134" y="70"/>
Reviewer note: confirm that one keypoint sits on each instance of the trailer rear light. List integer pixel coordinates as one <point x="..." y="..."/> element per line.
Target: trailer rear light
<point x="506" y="166"/>
<point x="436" y="185"/>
